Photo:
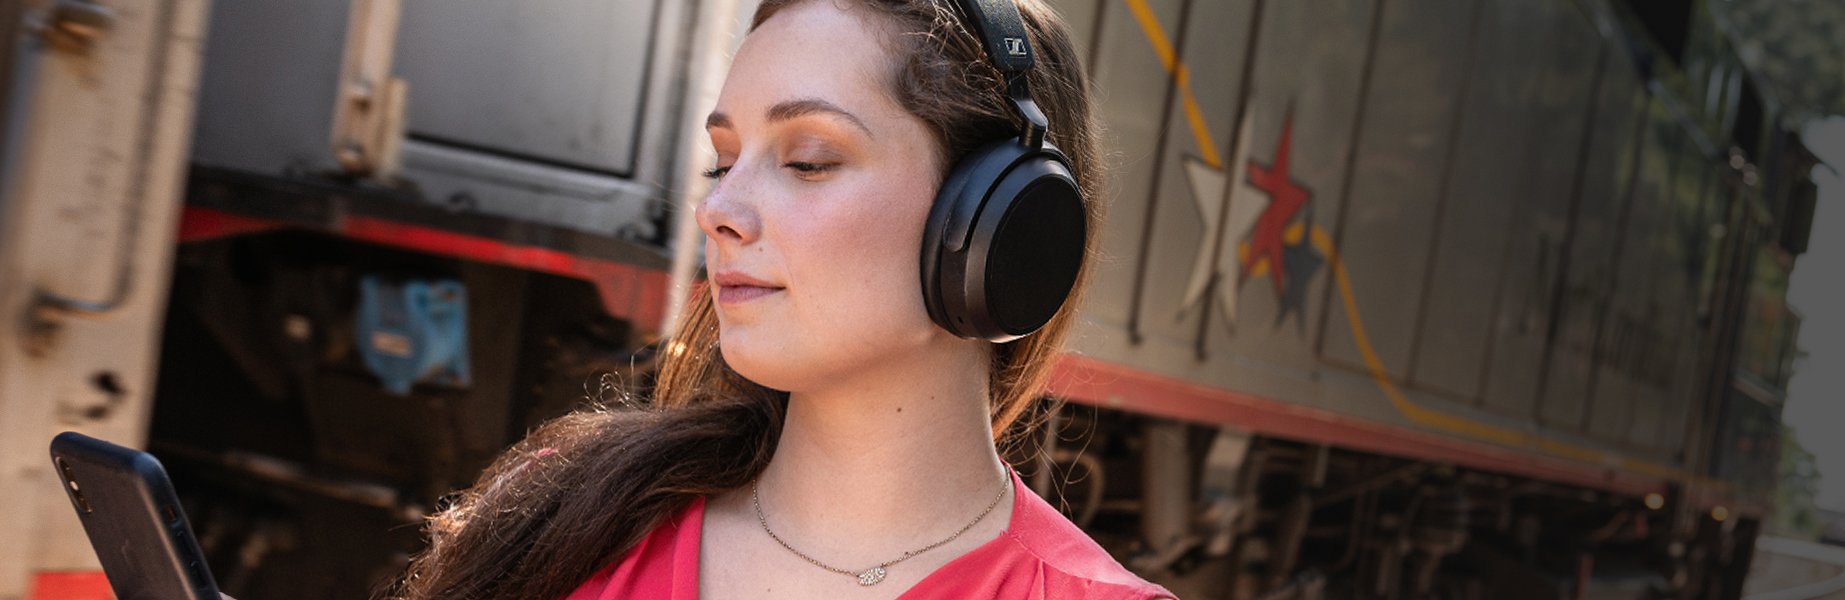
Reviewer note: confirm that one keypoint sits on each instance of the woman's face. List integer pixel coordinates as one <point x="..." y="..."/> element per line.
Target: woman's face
<point x="814" y="226"/>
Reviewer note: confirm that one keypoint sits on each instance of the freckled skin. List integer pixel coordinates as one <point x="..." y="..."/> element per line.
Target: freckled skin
<point x="844" y="242"/>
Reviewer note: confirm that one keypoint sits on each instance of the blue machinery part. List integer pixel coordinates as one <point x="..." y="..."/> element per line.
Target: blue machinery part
<point x="414" y="331"/>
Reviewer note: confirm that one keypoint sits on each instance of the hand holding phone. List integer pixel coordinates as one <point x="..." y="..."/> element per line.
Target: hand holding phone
<point x="133" y="520"/>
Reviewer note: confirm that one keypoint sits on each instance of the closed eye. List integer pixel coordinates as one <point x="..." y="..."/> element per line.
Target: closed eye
<point x="808" y="169"/>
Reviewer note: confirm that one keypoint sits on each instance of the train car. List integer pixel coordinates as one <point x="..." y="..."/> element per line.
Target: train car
<point x="1426" y="289"/>
<point x="1468" y="298"/>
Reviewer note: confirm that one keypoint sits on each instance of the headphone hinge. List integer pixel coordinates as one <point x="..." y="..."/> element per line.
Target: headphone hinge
<point x="1035" y="122"/>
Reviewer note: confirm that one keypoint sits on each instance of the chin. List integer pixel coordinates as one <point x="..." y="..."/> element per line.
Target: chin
<point x="797" y="367"/>
<point x="768" y="367"/>
<point x="793" y="359"/>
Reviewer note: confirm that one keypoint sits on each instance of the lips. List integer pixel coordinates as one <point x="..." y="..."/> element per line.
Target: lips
<point x="734" y="287"/>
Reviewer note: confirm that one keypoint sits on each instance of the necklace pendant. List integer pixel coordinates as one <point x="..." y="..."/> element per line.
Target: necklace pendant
<point x="871" y="576"/>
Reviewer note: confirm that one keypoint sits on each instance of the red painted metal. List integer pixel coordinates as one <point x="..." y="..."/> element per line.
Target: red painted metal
<point x="627" y="292"/>
<point x="70" y="585"/>
<point x="632" y="293"/>
<point x="1108" y="385"/>
<point x="200" y="224"/>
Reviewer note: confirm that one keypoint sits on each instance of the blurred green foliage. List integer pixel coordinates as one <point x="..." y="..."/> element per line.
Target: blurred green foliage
<point x="1797" y="45"/>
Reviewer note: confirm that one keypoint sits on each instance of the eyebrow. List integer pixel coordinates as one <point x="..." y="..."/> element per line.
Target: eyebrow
<point x="793" y="109"/>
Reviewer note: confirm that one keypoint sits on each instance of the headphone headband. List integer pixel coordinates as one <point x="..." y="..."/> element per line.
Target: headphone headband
<point x="1002" y="30"/>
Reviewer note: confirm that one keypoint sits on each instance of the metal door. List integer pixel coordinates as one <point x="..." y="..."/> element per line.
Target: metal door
<point x="99" y="102"/>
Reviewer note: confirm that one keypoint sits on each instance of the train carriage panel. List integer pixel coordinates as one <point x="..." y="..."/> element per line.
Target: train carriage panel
<point x="1177" y="294"/>
<point x="1460" y="240"/>
<point x="1768" y="328"/>
<point x="1222" y="322"/>
<point x="1496" y="132"/>
<point x="1718" y="197"/>
<point x="1500" y="124"/>
<point x="1310" y="96"/>
<point x="1679" y="266"/>
<point x="1645" y="345"/>
<point x="1405" y="145"/>
<point x="1670" y="301"/>
<point x="1681" y="399"/>
<point x="1607" y="174"/>
<point x="1307" y="81"/>
<point x="1618" y="376"/>
<point x="1129" y="86"/>
<point x="587" y="152"/>
<point x="1746" y="435"/>
<point x="1683" y="406"/>
<point x="1473" y="231"/>
<point x="527" y="66"/>
<point x="567" y="85"/>
<point x="249" y="119"/>
<point x="1561" y="87"/>
<point x="1082" y="17"/>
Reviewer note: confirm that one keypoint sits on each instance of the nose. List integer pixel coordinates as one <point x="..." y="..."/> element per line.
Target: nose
<point x="726" y="215"/>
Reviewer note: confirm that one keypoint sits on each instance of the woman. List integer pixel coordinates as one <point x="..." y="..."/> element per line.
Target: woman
<point x="814" y="433"/>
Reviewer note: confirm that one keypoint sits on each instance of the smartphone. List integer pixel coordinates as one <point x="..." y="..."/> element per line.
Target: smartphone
<point x="133" y="519"/>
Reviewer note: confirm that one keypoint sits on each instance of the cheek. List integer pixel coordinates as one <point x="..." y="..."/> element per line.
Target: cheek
<point x="867" y="244"/>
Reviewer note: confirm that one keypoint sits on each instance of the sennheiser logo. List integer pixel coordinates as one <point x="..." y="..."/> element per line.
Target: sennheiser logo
<point x="1015" y="46"/>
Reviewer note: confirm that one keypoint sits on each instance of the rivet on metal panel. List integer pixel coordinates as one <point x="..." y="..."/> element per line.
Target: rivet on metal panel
<point x="361" y="94"/>
<point x="351" y="156"/>
<point x="75" y="25"/>
<point x="41" y="331"/>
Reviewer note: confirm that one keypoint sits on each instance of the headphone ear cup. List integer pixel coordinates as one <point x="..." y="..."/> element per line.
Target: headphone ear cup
<point x="1004" y="243"/>
<point x="950" y="222"/>
<point x="1035" y="250"/>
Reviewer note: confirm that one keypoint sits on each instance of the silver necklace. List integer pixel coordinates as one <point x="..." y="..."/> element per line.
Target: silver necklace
<point x="875" y="574"/>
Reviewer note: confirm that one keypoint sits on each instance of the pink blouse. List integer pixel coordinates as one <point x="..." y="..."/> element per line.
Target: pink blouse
<point x="1040" y="556"/>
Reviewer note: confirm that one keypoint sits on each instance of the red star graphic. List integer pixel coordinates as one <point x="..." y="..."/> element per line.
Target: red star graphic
<point x="1286" y="197"/>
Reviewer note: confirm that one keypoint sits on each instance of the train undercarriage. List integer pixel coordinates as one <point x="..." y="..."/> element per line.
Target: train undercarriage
<point x="1216" y="513"/>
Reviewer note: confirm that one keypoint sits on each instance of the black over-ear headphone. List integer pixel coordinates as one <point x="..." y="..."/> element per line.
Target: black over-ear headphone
<point x="1005" y="238"/>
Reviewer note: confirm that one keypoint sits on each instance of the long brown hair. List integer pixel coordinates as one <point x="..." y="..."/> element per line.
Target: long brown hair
<point x="581" y="490"/>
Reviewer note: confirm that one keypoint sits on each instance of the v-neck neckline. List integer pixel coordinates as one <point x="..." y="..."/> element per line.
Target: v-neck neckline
<point x="690" y="582"/>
